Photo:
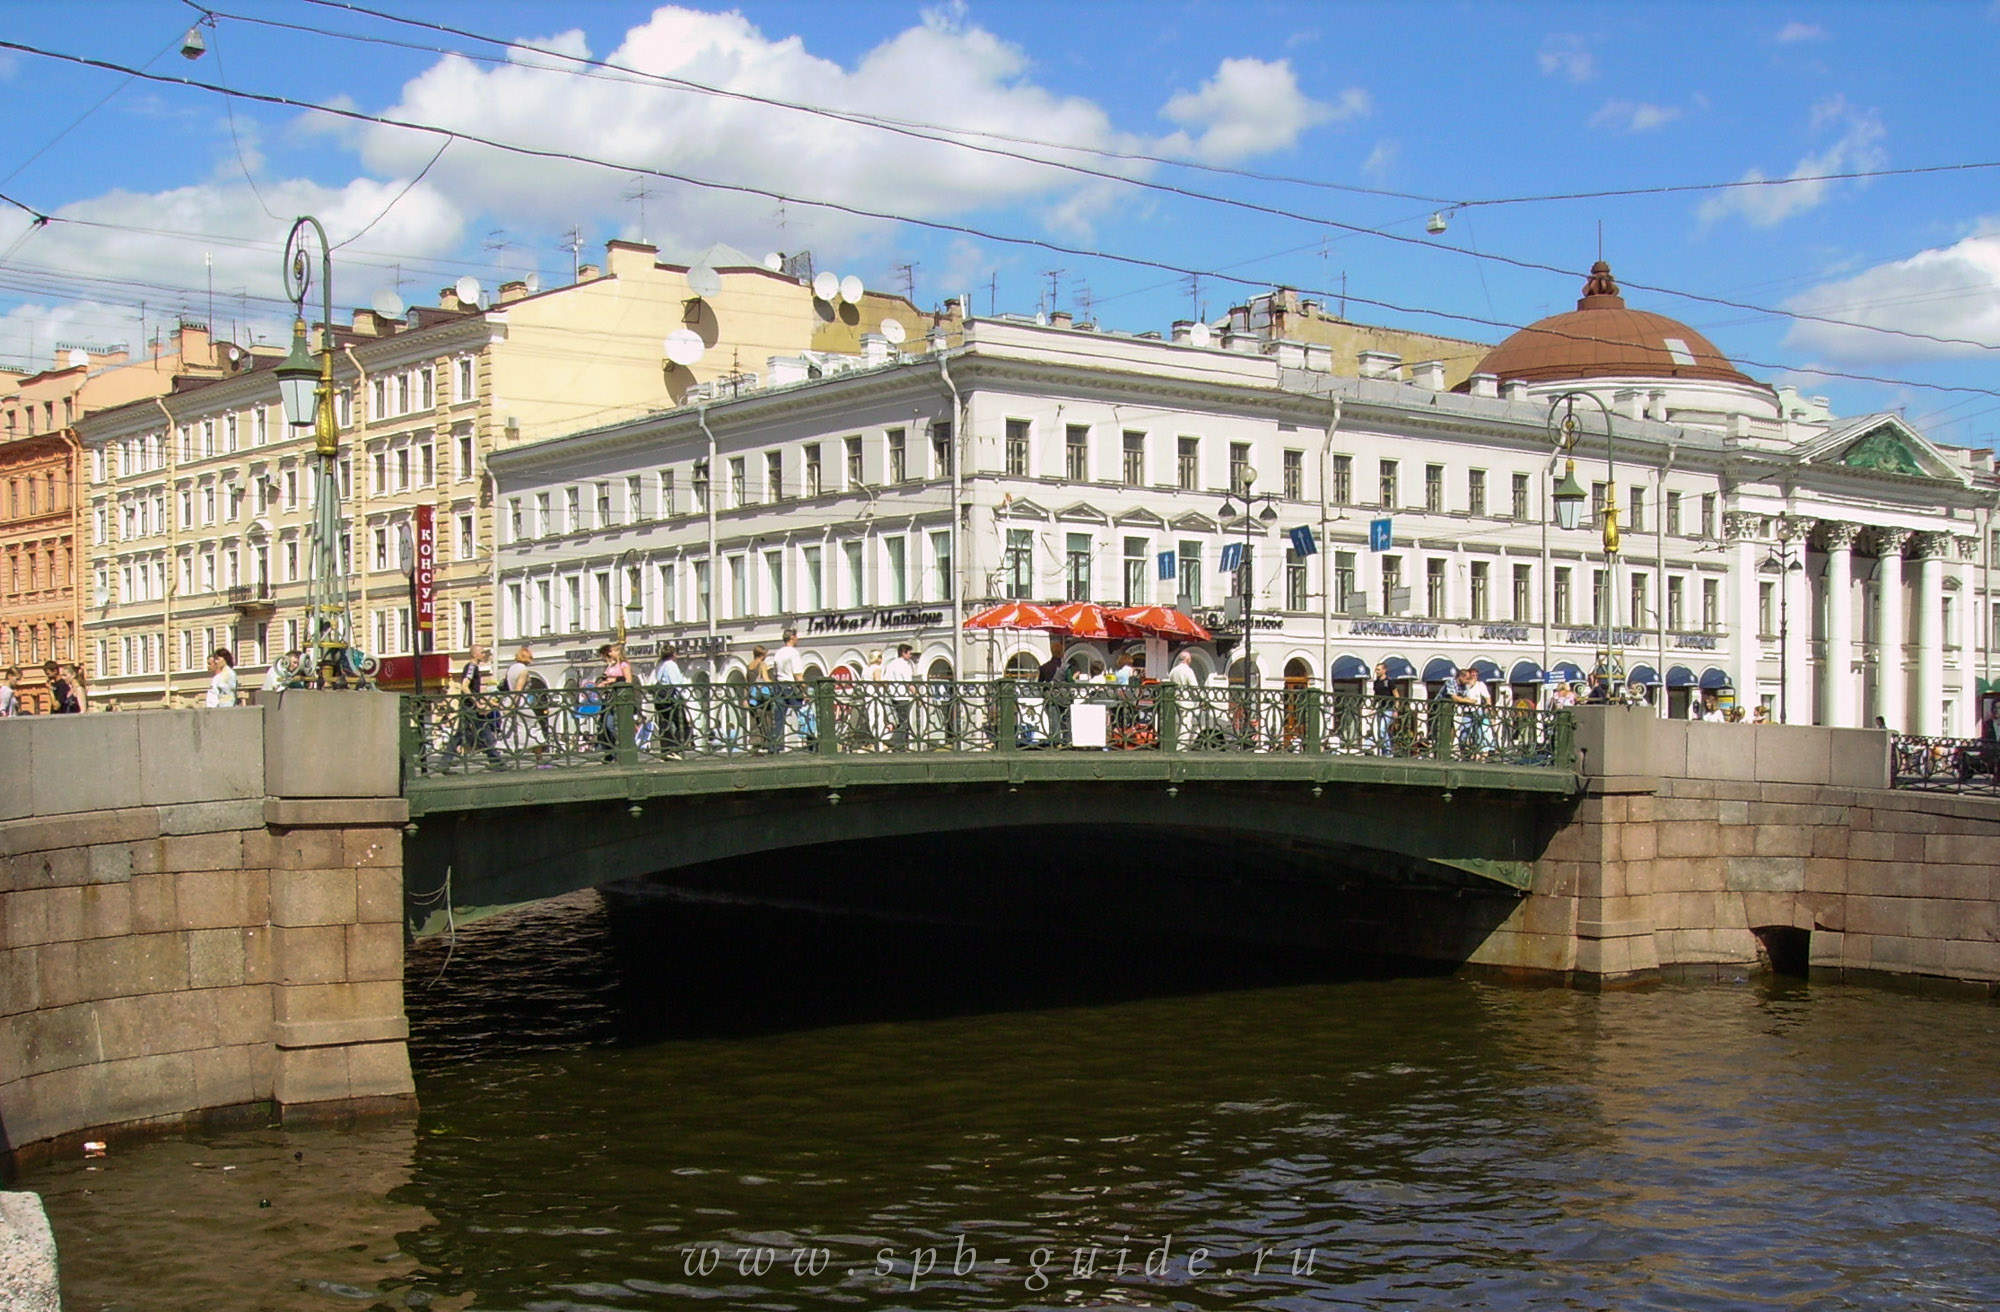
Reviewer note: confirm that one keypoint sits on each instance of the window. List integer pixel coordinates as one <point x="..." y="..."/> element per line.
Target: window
<point x="208" y="504"/>
<point x="739" y="587"/>
<point x="1020" y="563"/>
<point x="463" y="390"/>
<point x="815" y="579"/>
<point x="1345" y="593"/>
<point x="1189" y="470"/>
<point x="1239" y="465"/>
<point x="812" y="470"/>
<point x="897" y="550"/>
<point x="381" y="548"/>
<point x="467" y="540"/>
<point x="899" y="456"/>
<point x="635" y="508"/>
<point x="1135" y="571"/>
<point x="670" y="601"/>
<point x="378" y="398"/>
<point x="1642" y="611"/>
<point x="516" y="526"/>
<point x="1523" y="590"/>
<point x="1637" y="519"/>
<point x="1386" y="494"/>
<point x="941" y="571"/>
<point x="572" y="510"/>
<point x="941" y="450"/>
<point x="461" y="439"/>
<point x="1017" y="448"/>
<point x="1707" y="527"/>
<point x="1481" y="581"/>
<point x="1674" y="513"/>
<point x="1295" y="580"/>
<point x="1434" y="489"/>
<point x="739" y="483"/>
<point x="853" y="447"/>
<point x="1343" y="481"/>
<point x="1076" y="453"/>
<point x="426" y="389"/>
<point x="403" y="404"/>
<point x="1766" y="594"/>
<point x="1676" y="602"/>
<point x="1600" y="598"/>
<point x="402" y="469"/>
<point x="343" y="407"/>
<point x="1076" y="567"/>
<point x="1392" y="583"/>
<point x="1189" y="558"/>
<point x="1434" y="589"/>
<point x="545" y="522"/>
<point x="700" y="483"/>
<point x="1475" y="492"/>
<point x="774" y="583"/>
<point x="774" y="476"/>
<point x="857" y="578"/>
<point x="1597" y="499"/>
<point x="1561" y="607"/>
<point x="1295" y="475"/>
<point x="1134" y="470"/>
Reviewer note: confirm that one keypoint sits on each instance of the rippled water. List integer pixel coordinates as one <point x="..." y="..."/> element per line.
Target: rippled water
<point x="700" y="1107"/>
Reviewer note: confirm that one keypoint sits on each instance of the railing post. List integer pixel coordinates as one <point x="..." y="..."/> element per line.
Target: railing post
<point x="1562" y="734"/>
<point x="412" y="735"/>
<point x="1006" y="716"/>
<point x="1443" y="733"/>
<point x="624" y="709"/>
<point x="826" y="725"/>
<point x="1170" y="716"/>
<point x="1312" y="727"/>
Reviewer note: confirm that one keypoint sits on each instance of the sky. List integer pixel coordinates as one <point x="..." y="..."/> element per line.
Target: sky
<point x="1131" y="163"/>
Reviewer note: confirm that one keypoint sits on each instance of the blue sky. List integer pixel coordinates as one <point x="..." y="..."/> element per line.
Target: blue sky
<point x="157" y="189"/>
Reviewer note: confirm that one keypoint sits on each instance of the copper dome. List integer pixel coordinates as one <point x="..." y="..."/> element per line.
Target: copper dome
<point x="1600" y="338"/>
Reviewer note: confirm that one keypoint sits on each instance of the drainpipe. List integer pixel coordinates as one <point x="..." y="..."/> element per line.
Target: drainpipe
<point x="360" y="521"/>
<point x="959" y="512"/>
<point x="173" y="557"/>
<point x="1660" y="571"/>
<point x="1326" y="579"/>
<point x="714" y="564"/>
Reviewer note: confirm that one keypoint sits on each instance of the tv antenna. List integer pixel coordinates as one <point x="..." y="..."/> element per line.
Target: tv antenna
<point x="1055" y="286"/>
<point x="638" y="191"/>
<point x="909" y="274"/>
<point x="573" y="243"/>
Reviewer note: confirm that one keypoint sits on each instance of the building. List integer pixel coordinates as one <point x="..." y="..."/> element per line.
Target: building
<point x="1829" y="569"/>
<point x="199" y="501"/>
<point x="40" y="597"/>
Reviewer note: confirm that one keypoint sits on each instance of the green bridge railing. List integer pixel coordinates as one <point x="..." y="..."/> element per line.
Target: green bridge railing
<point x="633" y="726"/>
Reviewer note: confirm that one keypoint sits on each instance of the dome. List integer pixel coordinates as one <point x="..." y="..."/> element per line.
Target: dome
<point x="1600" y="338"/>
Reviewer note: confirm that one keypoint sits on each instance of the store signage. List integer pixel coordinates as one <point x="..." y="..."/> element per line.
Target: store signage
<point x="859" y="621"/>
<point x="1393" y="629"/>
<point x="426" y="569"/>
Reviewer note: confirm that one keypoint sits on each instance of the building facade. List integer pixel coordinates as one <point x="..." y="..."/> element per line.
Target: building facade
<point x="199" y="502"/>
<point x="1831" y="570"/>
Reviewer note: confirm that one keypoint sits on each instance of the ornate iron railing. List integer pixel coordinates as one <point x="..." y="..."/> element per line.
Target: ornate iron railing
<point x="628" y="725"/>
<point x="1950" y="765"/>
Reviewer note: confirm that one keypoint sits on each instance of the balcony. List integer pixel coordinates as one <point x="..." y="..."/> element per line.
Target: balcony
<point x="254" y="600"/>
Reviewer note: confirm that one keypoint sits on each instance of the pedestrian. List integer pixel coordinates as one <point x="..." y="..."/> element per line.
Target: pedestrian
<point x="523" y="701"/>
<point x="788" y="675"/>
<point x="221" y="678"/>
<point x="673" y="732"/>
<point x="1383" y="690"/>
<point x="617" y="673"/>
<point x="10" y="702"/>
<point x="79" y="695"/>
<point x="899" y="679"/>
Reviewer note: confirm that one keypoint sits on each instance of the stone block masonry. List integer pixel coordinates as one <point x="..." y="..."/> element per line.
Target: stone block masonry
<point x="177" y="939"/>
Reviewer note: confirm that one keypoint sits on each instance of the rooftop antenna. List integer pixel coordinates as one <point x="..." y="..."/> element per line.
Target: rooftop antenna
<point x="573" y="243"/>
<point x="909" y="272"/>
<point x="208" y="259"/>
<point x="1082" y="297"/>
<point x="1600" y="240"/>
<point x="1055" y="286"/>
<point x="637" y="191"/>
<point x="992" y="294"/>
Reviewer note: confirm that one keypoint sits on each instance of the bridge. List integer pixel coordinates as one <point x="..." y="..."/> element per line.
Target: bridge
<point x="204" y="912"/>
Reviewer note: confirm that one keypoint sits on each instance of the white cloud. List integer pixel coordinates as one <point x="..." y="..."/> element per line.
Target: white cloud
<point x="1857" y="149"/>
<point x="1569" y="55"/>
<point x="1382" y="160"/>
<point x="1948" y="291"/>
<point x="1251" y="107"/>
<point x="1795" y="31"/>
<point x="1628" y="116"/>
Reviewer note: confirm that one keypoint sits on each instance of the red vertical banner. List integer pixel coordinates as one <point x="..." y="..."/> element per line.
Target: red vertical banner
<point x="426" y="566"/>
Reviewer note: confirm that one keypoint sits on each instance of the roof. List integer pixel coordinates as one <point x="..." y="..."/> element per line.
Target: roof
<point x="1602" y="338"/>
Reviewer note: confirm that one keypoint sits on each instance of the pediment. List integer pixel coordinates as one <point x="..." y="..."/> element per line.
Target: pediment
<point x="1884" y="444"/>
<point x="1082" y="513"/>
<point x="1023" y="508"/>
<point x="1193" y="522"/>
<point x="1139" y="519"/>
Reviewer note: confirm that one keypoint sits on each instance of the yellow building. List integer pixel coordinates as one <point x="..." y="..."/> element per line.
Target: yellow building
<point x="199" y="501"/>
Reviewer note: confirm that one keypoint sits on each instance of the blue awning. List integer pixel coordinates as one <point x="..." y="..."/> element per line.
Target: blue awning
<point x="1349" y="667"/>
<point x="1565" y="672"/>
<point x="1440" y="668"/>
<point x="1643" y="676"/>
<point x="1487" y="671"/>
<point x="1680" y="676"/>
<point x="1525" y="672"/>
<point x="1399" y="668"/>
<point x="1714" y="680"/>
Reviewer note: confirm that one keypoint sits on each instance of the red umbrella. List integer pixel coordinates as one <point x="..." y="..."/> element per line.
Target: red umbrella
<point x="1017" y="615"/>
<point x="1162" y="622"/>
<point x="1087" y="619"/>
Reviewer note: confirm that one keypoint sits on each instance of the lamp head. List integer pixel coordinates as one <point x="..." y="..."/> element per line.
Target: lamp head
<point x="192" y="46"/>
<point x="1569" y="498"/>
<point x="298" y="378"/>
<point x="1269" y="514"/>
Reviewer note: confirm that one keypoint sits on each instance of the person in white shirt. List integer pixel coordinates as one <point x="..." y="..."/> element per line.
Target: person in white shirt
<point x="1183" y="675"/>
<point x="222" y="678"/>
<point x="900" y="674"/>
<point x="673" y="731"/>
<point x="788" y="673"/>
<point x="10" y="702"/>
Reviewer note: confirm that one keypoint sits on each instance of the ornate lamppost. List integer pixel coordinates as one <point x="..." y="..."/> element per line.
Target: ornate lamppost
<point x="1245" y="574"/>
<point x="1569" y="498"/>
<point x="1783" y="560"/>
<point x="329" y="657"/>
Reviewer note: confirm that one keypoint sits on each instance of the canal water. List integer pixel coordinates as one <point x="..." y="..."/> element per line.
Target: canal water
<point x="693" y="1104"/>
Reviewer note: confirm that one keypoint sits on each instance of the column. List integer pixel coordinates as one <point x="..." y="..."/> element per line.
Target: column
<point x="1839" y="672"/>
<point x="1928" y="718"/>
<point x="1971" y="607"/>
<point x="1746" y="646"/>
<point x="1891" y="696"/>
<point x="1797" y="616"/>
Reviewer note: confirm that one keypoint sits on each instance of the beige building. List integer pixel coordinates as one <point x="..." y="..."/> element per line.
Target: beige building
<point x="199" y="502"/>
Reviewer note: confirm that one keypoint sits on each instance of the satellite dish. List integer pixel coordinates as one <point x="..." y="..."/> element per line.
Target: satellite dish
<point x="704" y="281"/>
<point x="1199" y="335"/>
<point x="826" y="286"/>
<point x="387" y="304"/>
<point x="77" y="358"/>
<point x="894" y="331"/>
<point x="775" y="261"/>
<point x="534" y="283"/>
<point x="1041" y="319"/>
<point x="468" y="291"/>
<point x="851" y="289"/>
<point x="684" y="347"/>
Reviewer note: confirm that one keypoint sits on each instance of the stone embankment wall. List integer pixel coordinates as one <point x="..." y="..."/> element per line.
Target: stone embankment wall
<point x="1704" y="845"/>
<point x="199" y="911"/>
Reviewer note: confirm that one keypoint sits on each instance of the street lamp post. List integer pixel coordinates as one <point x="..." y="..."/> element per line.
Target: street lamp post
<point x="1569" y="498"/>
<point x="1783" y="559"/>
<point x="307" y="392"/>
<point x="1245" y="577"/>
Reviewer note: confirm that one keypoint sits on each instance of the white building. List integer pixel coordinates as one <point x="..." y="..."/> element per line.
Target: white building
<point x="870" y="500"/>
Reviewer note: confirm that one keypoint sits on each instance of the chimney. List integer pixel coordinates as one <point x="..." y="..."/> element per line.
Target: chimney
<point x="1514" y="389"/>
<point x="1380" y="364"/>
<point x="193" y="343"/>
<point x="782" y="369"/>
<point x="874" y="348"/>
<point x="951" y="308"/>
<point x="1629" y="402"/>
<point x="1061" y="319"/>
<point x="448" y="298"/>
<point x="1290" y="354"/>
<point x="1319" y="357"/>
<point x="1487" y="385"/>
<point x="1183" y="332"/>
<point x="367" y="323"/>
<point x="512" y="291"/>
<point x="1429" y="375"/>
<point x="1310" y="309"/>
<point x="1245" y="343"/>
<point x="586" y="272"/>
<point x="1656" y="404"/>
